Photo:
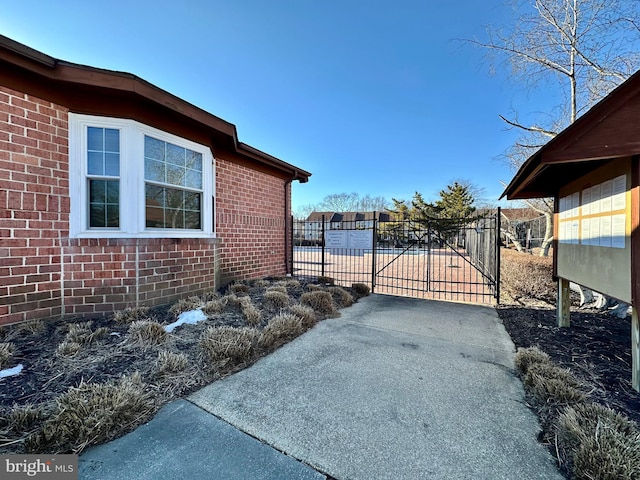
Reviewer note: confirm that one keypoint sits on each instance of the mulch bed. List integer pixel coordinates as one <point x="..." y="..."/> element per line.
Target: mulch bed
<point x="596" y="348"/>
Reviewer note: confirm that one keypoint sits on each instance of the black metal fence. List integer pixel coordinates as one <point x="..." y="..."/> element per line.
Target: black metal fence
<point x="404" y="257"/>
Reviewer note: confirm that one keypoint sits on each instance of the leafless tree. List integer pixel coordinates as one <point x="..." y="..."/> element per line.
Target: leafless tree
<point x="577" y="50"/>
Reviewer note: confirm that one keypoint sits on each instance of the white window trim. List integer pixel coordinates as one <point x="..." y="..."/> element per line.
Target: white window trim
<point x="132" y="191"/>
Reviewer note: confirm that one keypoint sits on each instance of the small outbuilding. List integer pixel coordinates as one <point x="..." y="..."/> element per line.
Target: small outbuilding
<point x="592" y="170"/>
<point x="116" y="193"/>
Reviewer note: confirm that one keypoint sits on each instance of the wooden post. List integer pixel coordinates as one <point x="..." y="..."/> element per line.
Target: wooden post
<point x="564" y="302"/>
<point x="635" y="350"/>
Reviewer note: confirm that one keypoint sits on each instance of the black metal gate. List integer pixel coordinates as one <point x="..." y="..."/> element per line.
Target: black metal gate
<point x="439" y="258"/>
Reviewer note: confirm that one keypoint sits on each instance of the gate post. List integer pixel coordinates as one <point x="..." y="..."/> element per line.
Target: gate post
<point x="322" y="244"/>
<point x="373" y="253"/>
<point x="497" y="262"/>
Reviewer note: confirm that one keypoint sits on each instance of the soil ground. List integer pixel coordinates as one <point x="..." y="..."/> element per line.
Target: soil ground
<point x="596" y="348"/>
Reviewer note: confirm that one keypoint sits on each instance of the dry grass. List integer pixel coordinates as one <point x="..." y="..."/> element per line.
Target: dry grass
<point x="215" y="306"/>
<point x="6" y="353"/>
<point x="527" y="276"/>
<point x="550" y="384"/>
<point x="131" y="314"/>
<point x="171" y="363"/>
<point x="68" y="349"/>
<point x="82" y="333"/>
<point x="276" y="299"/>
<point x="239" y="288"/>
<point x="92" y="413"/>
<point x="320" y="301"/>
<point x="221" y="344"/>
<point x="341" y="297"/>
<point x="525" y="357"/>
<point x="360" y="289"/>
<point x="599" y="443"/>
<point x="251" y="314"/>
<point x="280" y="287"/>
<point x="145" y="333"/>
<point x="306" y="314"/>
<point x="325" y="280"/>
<point x="186" y="305"/>
<point x="281" y="329"/>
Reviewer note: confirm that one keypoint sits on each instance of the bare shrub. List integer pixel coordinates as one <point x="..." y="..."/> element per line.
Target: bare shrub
<point x="249" y="310"/>
<point x="228" y="343"/>
<point x="185" y="305"/>
<point x="306" y="314"/>
<point x="22" y="418"/>
<point x="325" y="280"/>
<point x="360" y="289"/>
<point x="170" y="363"/>
<point x="6" y="353"/>
<point x="215" y="306"/>
<point x="276" y="299"/>
<point x="281" y="329"/>
<point x="31" y="327"/>
<point x="67" y="348"/>
<point x="131" y="314"/>
<point x="277" y="288"/>
<point x="209" y="296"/>
<point x="320" y="301"/>
<point x="525" y="357"/>
<point x="527" y="276"/>
<point x="239" y="288"/>
<point x="550" y="384"/>
<point x="146" y="333"/>
<point x="599" y="443"/>
<point x="93" y="413"/>
<point x="261" y="283"/>
<point x="82" y="333"/>
<point x="341" y="296"/>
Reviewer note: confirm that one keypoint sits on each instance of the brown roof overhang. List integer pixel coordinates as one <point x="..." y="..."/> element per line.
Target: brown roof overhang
<point x="609" y="130"/>
<point x="95" y="91"/>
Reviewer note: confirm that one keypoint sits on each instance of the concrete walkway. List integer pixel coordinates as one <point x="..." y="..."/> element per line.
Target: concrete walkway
<point x="396" y="388"/>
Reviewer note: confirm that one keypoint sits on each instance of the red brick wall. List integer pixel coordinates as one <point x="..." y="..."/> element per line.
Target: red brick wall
<point x="34" y="205"/>
<point x="250" y="220"/>
<point x="44" y="273"/>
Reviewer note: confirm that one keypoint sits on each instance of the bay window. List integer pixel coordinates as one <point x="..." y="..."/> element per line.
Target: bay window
<point x="131" y="180"/>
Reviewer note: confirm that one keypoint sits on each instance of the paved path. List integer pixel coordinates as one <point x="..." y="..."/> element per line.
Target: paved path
<point x="396" y="388"/>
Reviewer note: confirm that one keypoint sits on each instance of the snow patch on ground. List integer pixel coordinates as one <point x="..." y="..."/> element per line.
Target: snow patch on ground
<point x="191" y="317"/>
<point x="10" y="372"/>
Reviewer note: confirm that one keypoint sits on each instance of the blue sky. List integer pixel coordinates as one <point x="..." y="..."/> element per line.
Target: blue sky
<point x="370" y="96"/>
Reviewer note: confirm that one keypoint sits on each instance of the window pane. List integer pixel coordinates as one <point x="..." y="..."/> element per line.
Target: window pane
<point x="96" y="215"/>
<point x="112" y="140"/>
<point x="194" y="160"/>
<point x="174" y="218"/>
<point x="154" y="171"/>
<point x="113" y="192"/>
<point x="153" y="149"/>
<point x="192" y="220"/>
<point x="175" y="175"/>
<point x="154" y="196"/>
<point x="95" y="138"/>
<point x="192" y="201"/>
<point x="194" y="179"/>
<point x="104" y="203"/>
<point x="112" y="164"/>
<point x="113" y="215"/>
<point x="172" y="208"/>
<point x="97" y="191"/>
<point x="175" y="155"/>
<point x="95" y="164"/>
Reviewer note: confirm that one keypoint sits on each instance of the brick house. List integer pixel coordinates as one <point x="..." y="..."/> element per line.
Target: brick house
<point x="115" y="193"/>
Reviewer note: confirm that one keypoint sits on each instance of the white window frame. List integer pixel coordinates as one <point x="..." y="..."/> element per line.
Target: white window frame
<point x="132" y="181"/>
